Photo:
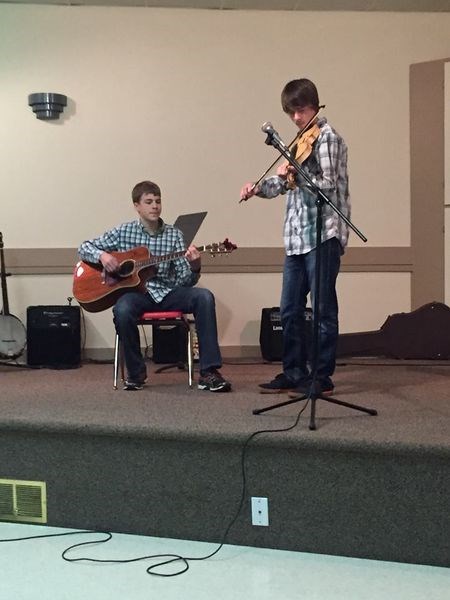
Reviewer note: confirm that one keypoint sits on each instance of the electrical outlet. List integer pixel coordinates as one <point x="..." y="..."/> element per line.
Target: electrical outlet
<point x="260" y="511"/>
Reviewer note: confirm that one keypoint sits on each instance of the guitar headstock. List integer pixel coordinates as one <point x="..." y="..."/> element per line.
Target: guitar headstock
<point x="225" y="247"/>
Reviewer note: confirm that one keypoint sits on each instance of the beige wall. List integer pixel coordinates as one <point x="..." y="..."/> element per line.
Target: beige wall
<point x="179" y="96"/>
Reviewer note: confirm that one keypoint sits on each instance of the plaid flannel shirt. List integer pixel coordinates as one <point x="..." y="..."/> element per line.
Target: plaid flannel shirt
<point x="166" y="240"/>
<point x="327" y="168"/>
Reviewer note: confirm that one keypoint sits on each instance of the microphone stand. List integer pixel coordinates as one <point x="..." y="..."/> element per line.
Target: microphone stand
<point x="314" y="391"/>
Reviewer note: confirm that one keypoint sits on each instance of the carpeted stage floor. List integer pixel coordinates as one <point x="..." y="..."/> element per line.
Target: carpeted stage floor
<point x="360" y="485"/>
<point x="412" y="400"/>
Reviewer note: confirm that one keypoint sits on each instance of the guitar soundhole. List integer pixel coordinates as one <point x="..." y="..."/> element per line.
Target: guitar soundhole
<point x="126" y="268"/>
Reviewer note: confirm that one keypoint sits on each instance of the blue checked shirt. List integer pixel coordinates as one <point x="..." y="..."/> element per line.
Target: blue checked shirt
<point x="327" y="168"/>
<point x="166" y="240"/>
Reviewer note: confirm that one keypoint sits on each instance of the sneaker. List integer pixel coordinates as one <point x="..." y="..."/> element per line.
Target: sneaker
<point x="213" y="382"/>
<point x="281" y="384"/>
<point x="132" y="386"/>
<point x="135" y="382"/>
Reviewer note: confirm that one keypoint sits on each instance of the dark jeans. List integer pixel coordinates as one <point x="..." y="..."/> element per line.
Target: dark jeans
<point x="198" y="301"/>
<point x="298" y="281"/>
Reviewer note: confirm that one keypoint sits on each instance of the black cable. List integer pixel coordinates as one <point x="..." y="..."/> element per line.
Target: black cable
<point x="50" y="535"/>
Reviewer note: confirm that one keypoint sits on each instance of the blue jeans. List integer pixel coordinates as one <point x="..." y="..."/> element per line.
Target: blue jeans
<point x="298" y="281"/>
<point x="198" y="301"/>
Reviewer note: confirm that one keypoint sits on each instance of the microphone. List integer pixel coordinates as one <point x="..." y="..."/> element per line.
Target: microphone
<point x="267" y="128"/>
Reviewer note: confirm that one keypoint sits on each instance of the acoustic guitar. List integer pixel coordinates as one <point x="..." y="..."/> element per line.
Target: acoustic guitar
<point x="13" y="336"/>
<point x="95" y="289"/>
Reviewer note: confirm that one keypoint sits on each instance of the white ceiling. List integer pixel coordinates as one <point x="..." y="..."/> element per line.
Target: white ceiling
<point x="312" y="5"/>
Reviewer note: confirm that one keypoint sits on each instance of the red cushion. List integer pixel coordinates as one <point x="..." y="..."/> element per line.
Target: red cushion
<point x="169" y="314"/>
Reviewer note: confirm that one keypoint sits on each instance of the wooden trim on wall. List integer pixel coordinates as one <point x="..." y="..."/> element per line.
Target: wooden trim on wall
<point x="40" y="261"/>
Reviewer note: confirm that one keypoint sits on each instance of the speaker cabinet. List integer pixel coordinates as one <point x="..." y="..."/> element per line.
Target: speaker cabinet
<point x="169" y="344"/>
<point x="271" y="333"/>
<point x="53" y="336"/>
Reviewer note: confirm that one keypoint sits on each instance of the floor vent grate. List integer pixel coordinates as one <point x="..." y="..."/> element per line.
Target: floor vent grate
<point x="23" y="501"/>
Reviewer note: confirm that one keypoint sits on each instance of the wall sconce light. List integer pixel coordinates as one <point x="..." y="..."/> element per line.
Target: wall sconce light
<point x="47" y="105"/>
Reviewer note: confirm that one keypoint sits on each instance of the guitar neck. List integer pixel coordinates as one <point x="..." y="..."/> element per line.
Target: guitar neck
<point x="156" y="260"/>
<point x="5" y="310"/>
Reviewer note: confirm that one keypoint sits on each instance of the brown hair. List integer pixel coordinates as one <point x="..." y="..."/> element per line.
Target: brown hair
<point x="298" y="94"/>
<point x="145" y="187"/>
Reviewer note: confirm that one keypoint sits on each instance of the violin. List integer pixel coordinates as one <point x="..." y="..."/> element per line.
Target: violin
<point x="303" y="150"/>
<point x="305" y="143"/>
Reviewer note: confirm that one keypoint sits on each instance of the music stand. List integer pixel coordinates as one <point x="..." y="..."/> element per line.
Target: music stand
<point x="314" y="393"/>
<point x="189" y="224"/>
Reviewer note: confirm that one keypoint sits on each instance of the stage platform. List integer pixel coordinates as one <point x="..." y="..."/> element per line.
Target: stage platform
<point x="166" y="461"/>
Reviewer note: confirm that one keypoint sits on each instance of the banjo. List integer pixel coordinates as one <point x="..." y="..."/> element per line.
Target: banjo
<point x="12" y="332"/>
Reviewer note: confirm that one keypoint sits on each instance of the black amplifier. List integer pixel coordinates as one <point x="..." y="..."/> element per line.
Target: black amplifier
<point x="54" y="336"/>
<point x="271" y="333"/>
<point x="169" y="344"/>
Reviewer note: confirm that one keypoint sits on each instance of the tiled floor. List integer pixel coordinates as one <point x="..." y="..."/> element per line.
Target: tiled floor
<point x="34" y="569"/>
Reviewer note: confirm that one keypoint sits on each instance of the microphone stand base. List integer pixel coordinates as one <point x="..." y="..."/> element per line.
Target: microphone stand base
<point x="314" y="397"/>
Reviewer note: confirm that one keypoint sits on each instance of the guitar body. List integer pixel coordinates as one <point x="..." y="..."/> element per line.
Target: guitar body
<point x="97" y="290"/>
<point x="13" y="337"/>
